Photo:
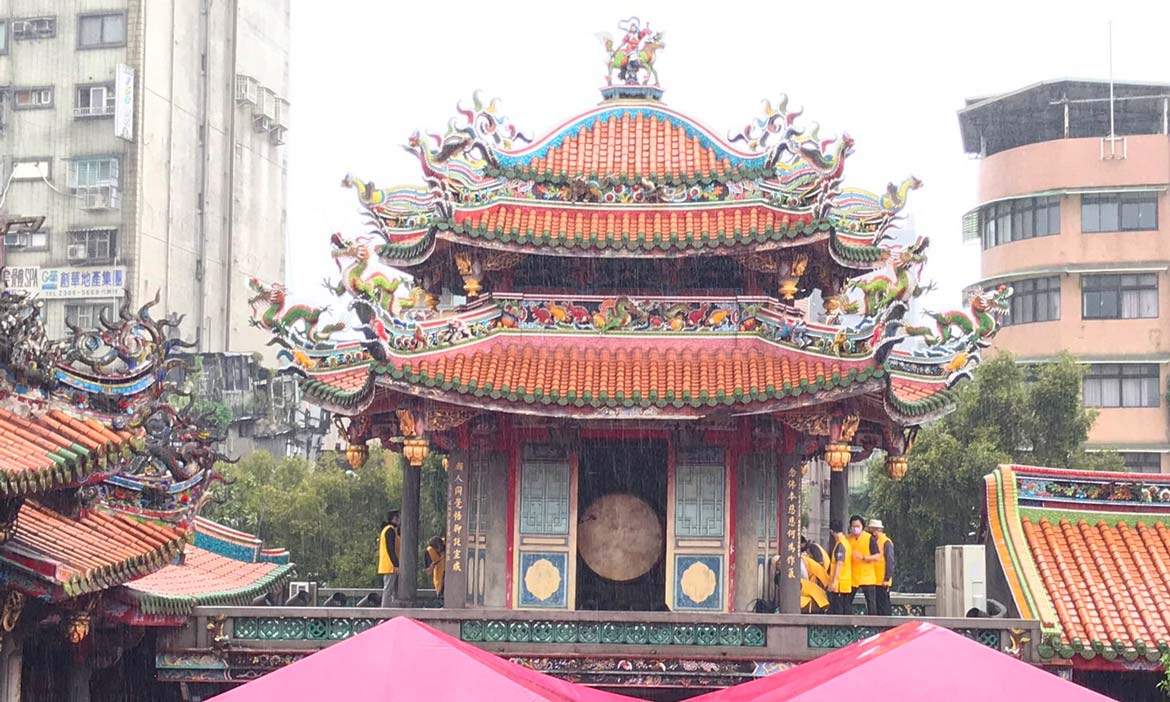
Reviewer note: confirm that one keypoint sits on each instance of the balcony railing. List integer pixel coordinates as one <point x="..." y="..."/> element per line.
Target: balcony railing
<point x="93" y="111"/>
<point x="233" y="644"/>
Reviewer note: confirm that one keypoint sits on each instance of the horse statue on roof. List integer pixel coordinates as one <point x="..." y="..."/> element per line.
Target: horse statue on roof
<point x="634" y="53"/>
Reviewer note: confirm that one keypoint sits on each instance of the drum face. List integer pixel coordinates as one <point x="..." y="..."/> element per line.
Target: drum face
<point x="620" y="537"/>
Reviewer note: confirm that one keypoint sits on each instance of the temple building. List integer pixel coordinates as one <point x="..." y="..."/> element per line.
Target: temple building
<point x="103" y="469"/>
<point x="632" y="371"/>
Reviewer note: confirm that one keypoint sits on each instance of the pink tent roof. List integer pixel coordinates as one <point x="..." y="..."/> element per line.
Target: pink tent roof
<point x="403" y="660"/>
<point x="916" y="662"/>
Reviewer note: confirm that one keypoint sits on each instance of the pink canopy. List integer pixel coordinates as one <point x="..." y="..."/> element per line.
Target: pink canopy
<point x="916" y="662"/>
<point x="405" y="661"/>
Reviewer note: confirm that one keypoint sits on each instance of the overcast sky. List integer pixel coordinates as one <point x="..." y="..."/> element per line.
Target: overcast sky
<point x="365" y="74"/>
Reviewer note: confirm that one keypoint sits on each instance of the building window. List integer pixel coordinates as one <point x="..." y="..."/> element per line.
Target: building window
<point x="1142" y="461"/>
<point x="1016" y="220"/>
<point x="34" y="28"/>
<point x="92" y="246"/>
<point x="1034" y="300"/>
<point x="1119" y="212"/>
<point x="3" y="37"/>
<point x="94" y="101"/>
<point x="1122" y="385"/>
<point x="1129" y="296"/>
<point x="27" y="241"/>
<point x="93" y="172"/>
<point x="32" y="98"/>
<point x="88" y="315"/>
<point x="101" y="31"/>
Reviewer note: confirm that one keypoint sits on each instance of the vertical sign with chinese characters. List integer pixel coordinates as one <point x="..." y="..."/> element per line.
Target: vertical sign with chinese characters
<point x="124" y="102"/>
<point x="788" y="569"/>
<point x="458" y="493"/>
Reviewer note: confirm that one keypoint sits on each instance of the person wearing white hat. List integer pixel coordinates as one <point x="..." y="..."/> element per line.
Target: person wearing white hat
<point x="884" y="567"/>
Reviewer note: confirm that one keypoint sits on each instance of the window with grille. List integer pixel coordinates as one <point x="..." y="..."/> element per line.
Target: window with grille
<point x="1016" y="220"/>
<point x="1034" y="300"/>
<point x="93" y="172"/>
<point x="1119" y="212"/>
<point x="93" y="245"/>
<point x="88" y="315"/>
<point x="94" y="101"/>
<point x="1142" y="461"/>
<point x="1127" y="296"/>
<point x="101" y="31"/>
<point x="34" y="28"/>
<point x="1122" y="385"/>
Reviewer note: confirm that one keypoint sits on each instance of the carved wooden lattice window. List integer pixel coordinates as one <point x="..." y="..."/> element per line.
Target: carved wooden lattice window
<point x="698" y="492"/>
<point x="544" y="490"/>
<point x="766" y="506"/>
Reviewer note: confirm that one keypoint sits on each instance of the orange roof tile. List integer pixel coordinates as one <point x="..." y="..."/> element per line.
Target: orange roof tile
<point x="204" y="578"/>
<point x="625" y="226"/>
<point x="41" y="452"/>
<point x="91" y="553"/>
<point x="575" y="371"/>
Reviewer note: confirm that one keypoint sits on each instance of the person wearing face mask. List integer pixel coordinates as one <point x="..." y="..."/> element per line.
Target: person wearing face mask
<point x="840" y="571"/>
<point x="864" y="567"/>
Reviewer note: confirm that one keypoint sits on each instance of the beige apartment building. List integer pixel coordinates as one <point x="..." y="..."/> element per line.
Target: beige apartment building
<point x="1074" y="214"/>
<point x="149" y="134"/>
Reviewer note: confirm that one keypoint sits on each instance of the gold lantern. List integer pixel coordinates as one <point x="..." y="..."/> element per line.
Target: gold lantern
<point x="896" y="467"/>
<point x="416" y="451"/>
<point x="838" y="456"/>
<point x="788" y="288"/>
<point x="357" y="454"/>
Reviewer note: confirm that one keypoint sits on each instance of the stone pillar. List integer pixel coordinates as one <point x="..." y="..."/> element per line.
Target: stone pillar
<point x="837" y="456"/>
<point x="788" y="483"/>
<point x="458" y="534"/>
<point x="408" y="532"/>
<point x="79" y="675"/>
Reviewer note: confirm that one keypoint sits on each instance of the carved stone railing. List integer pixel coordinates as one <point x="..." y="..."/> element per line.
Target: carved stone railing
<point x="240" y="643"/>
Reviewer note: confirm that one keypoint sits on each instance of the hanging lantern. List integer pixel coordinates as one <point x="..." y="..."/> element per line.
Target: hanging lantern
<point x="788" y="288"/>
<point x="357" y="454"/>
<point x="838" y="456"/>
<point x="416" y="451"/>
<point x="896" y="467"/>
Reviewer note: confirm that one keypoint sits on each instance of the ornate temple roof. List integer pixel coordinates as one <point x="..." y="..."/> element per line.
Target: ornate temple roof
<point x="46" y="451"/>
<point x="222" y="567"/>
<point x="1088" y="554"/>
<point x="91" y="552"/>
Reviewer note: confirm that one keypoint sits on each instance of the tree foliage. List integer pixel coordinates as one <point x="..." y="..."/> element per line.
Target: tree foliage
<point x="1007" y="414"/>
<point x="327" y="515"/>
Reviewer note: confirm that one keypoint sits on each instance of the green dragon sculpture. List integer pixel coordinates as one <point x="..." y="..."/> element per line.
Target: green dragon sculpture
<point x="880" y="292"/>
<point x="974" y="327"/>
<point x="283" y="322"/>
<point x="375" y="287"/>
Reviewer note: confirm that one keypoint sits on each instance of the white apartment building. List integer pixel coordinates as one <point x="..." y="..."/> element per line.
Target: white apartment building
<point x="149" y="134"/>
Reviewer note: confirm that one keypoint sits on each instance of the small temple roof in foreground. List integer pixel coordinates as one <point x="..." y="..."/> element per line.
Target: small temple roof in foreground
<point x="1088" y="554"/>
<point x="89" y="553"/>
<point x="222" y="567"/>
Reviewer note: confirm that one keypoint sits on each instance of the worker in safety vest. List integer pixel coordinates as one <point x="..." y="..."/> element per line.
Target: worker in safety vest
<point x="436" y="562"/>
<point x="388" y="553"/>
<point x="840" y="570"/>
<point x="884" y="567"/>
<point x="865" y="558"/>
<point x="814" y="577"/>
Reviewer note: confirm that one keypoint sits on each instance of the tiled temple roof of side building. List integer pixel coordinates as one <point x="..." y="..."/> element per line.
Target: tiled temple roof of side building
<point x="45" y="451"/>
<point x="222" y="567"/>
<point x="1088" y="554"/>
<point x="95" y="551"/>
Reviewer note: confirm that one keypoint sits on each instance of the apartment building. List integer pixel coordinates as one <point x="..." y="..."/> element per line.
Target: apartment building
<point x="1074" y="214"/>
<point x="149" y="134"/>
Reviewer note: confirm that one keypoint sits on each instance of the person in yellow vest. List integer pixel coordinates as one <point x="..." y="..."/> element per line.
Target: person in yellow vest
<point x="884" y="567"/>
<point x="840" y="571"/>
<point x="814" y="577"/>
<point x="436" y="562"/>
<point x="388" y="554"/>
<point x="865" y="558"/>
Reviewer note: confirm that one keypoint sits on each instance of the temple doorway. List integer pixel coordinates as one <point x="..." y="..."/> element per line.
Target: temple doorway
<point x="621" y="544"/>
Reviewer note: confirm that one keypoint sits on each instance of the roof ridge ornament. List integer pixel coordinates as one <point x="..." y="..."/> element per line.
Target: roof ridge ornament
<point x="632" y="57"/>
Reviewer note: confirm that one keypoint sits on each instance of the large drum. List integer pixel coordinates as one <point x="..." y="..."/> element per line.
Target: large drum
<point x="620" y="537"/>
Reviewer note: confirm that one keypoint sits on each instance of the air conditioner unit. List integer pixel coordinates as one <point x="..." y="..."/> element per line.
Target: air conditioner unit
<point x="99" y="197"/>
<point x="266" y="105"/>
<point x="281" y="113"/>
<point x="76" y="252"/>
<point x="247" y="89"/>
<point x="14" y="240"/>
<point x="276" y="135"/>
